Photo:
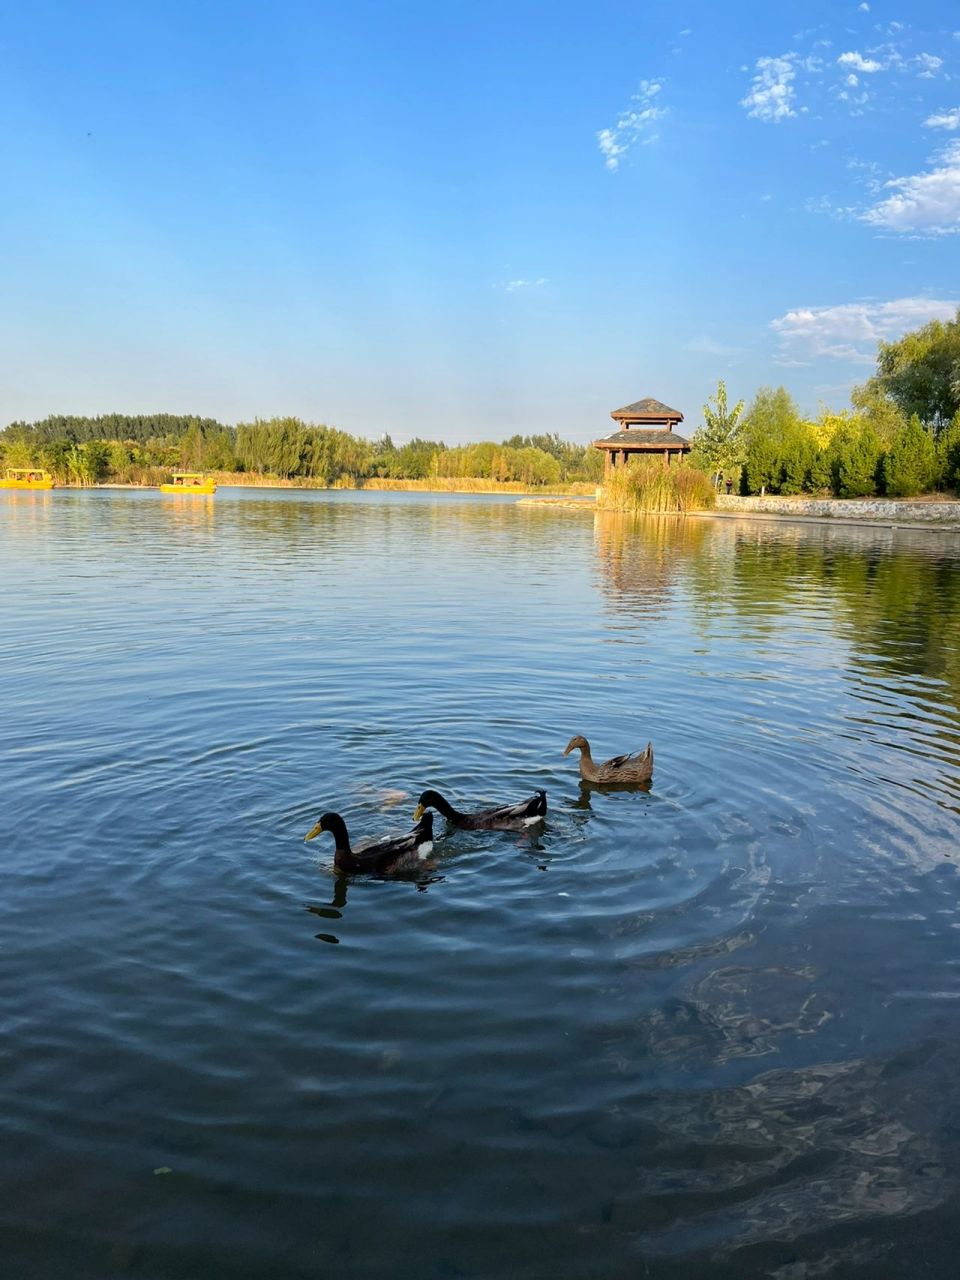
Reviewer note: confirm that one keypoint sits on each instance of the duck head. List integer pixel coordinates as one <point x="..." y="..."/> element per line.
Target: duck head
<point x="431" y="800"/>
<point x="335" y="825"/>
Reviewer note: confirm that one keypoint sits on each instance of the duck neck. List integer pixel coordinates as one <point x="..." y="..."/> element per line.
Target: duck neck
<point x="588" y="769"/>
<point x="341" y="840"/>
<point x="445" y="808"/>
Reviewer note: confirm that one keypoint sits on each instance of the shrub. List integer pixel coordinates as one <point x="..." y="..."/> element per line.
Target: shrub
<point x="855" y="460"/>
<point x="911" y="465"/>
<point x="780" y="448"/>
<point x="948" y="456"/>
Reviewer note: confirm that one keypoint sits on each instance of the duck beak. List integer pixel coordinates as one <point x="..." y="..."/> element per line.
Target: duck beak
<point x="418" y="813"/>
<point x="313" y="832"/>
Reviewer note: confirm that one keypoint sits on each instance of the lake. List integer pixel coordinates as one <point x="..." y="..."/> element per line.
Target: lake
<point x="711" y="1029"/>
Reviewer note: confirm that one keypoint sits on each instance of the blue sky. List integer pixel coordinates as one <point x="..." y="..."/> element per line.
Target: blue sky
<point x="462" y="220"/>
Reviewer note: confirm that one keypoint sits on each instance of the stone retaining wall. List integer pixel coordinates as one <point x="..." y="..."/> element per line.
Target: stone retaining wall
<point x="876" y="509"/>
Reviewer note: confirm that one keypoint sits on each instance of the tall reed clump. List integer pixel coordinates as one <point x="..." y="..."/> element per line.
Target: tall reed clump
<point x="647" y="485"/>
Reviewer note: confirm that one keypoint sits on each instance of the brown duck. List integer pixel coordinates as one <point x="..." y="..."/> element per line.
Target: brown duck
<point x="621" y="769"/>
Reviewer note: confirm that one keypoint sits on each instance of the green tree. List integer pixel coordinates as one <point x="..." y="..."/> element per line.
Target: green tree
<point x="882" y="412"/>
<point x="948" y="455"/>
<point x="17" y="453"/>
<point x="118" y="457"/>
<point x="770" y="430"/>
<point x="921" y="372"/>
<point x="717" y="446"/>
<point x="855" y="455"/>
<point x="910" y="466"/>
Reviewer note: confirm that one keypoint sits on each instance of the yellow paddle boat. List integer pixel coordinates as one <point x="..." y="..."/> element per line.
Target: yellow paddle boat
<point x="26" y="478"/>
<point x="189" y="482"/>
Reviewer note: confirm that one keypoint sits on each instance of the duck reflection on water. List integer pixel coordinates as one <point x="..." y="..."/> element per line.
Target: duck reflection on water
<point x="589" y="789"/>
<point x="334" y="909"/>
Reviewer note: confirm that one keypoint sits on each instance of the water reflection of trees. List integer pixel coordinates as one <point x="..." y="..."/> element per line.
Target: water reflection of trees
<point x="641" y="558"/>
<point x="893" y="597"/>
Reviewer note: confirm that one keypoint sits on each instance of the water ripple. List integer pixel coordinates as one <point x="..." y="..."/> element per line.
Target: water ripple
<point x="708" y="1028"/>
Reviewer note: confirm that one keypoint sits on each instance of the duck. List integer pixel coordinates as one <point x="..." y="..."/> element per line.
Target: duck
<point x="505" y="817"/>
<point x="629" y="769"/>
<point x="380" y="857"/>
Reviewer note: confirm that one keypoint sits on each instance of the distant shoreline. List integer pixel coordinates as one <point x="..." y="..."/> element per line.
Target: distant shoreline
<point x="442" y="484"/>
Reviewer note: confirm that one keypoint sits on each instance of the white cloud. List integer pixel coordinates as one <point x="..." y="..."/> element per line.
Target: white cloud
<point x="852" y="330"/>
<point x="863" y="8"/>
<point x="511" y="286"/>
<point x="636" y="124"/>
<point x="771" y="95"/>
<point x="927" y="203"/>
<point x="927" y="65"/>
<point x="945" y="120"/>
<point x="859" y="62"/>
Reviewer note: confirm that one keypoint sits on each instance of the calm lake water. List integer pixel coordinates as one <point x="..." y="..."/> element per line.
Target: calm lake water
<point x="709" y="1030"/>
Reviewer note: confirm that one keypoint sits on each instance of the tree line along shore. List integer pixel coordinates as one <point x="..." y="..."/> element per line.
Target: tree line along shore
<point x="900" y="437"/>
<point x="145" y="449"/>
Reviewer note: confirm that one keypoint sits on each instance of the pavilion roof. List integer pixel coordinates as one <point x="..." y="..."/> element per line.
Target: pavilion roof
<point x="649" y="409"/>
<point x="641" y="438"/>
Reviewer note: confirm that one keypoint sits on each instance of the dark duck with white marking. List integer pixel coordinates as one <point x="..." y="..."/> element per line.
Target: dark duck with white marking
<point x="626" y="770"/>
<point x="504" y="817"/>
<point x="381" y="857"/>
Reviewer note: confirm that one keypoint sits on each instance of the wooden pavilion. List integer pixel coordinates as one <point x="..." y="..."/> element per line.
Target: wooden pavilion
<point x="643" y="428"/>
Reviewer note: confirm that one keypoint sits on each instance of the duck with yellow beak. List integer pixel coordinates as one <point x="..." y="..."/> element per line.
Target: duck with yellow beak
<point x="381" y="857"/>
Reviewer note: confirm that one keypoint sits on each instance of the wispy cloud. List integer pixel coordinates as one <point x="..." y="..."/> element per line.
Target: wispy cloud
<point x="863" y="8"/>
<point x="635" y="125"/>
<point x="705" y="345"/>
<point x="867" y="173"/>
<point x="771" y="97"/>
<point x="922" y="203"/>
<point x="851" y="330"/>
<point x="944" y="120"/>
<point x="927" y="65"/>
<point x="511" y="286"/>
